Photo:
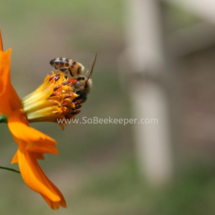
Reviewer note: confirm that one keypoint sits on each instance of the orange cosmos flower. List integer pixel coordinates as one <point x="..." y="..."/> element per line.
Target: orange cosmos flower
<point x="31" y="143"/>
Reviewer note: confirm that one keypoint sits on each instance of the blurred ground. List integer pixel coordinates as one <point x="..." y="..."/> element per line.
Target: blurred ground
<point x="96" y="169"/>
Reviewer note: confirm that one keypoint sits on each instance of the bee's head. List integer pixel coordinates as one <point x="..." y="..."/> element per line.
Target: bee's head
<point x="83" y="84"/>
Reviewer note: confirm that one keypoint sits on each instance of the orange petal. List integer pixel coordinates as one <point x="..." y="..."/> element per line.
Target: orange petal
<point x="15" y="95"/>
<point x="1" y="44"/>
<point x="36" y="140"/>
<point x="15" y="159"/>
<point x="39" y="156"/>
<point x="9" y="99"/>
<point x="5" y="84"/>
<point x="35" y="178"/>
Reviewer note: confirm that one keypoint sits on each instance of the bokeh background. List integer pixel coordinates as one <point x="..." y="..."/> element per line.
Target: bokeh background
<point x="99" y="168"/>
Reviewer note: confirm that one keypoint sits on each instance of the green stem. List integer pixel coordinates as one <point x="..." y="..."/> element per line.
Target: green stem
<point x="3" y="118"/>
<point x="10" y="169"/>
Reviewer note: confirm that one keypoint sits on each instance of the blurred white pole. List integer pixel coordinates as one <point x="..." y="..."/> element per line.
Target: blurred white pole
<point x="145" y="54"/>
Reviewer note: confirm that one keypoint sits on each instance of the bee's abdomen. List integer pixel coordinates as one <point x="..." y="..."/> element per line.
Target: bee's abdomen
<point x="67" y="65"/>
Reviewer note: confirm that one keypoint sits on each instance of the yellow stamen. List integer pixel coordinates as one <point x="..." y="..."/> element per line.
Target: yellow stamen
<point x="52" y="100"/>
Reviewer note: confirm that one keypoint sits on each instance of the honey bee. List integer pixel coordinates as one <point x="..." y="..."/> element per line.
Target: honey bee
<point x="84" y="84"/>
<point x="67" y="66"/>
<point x="74" y="69"/>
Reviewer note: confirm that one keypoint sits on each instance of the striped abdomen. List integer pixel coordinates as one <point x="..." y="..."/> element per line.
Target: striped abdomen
<point x="67" y="66"/>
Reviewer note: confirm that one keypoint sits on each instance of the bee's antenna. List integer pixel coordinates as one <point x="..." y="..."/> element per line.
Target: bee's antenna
<point x="91" y="71"/>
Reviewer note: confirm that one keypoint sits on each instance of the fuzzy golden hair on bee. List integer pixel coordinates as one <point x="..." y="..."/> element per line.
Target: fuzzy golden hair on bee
<point x="75" y="71"/>
<point x="84" y="83"/>
<point x="68" y="66"/>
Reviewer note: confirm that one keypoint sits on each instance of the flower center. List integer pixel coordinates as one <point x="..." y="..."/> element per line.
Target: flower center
<point x="55" y="99"/>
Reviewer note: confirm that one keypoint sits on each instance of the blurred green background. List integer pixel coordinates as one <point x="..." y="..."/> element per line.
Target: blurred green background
<point x="96" y="167"/>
